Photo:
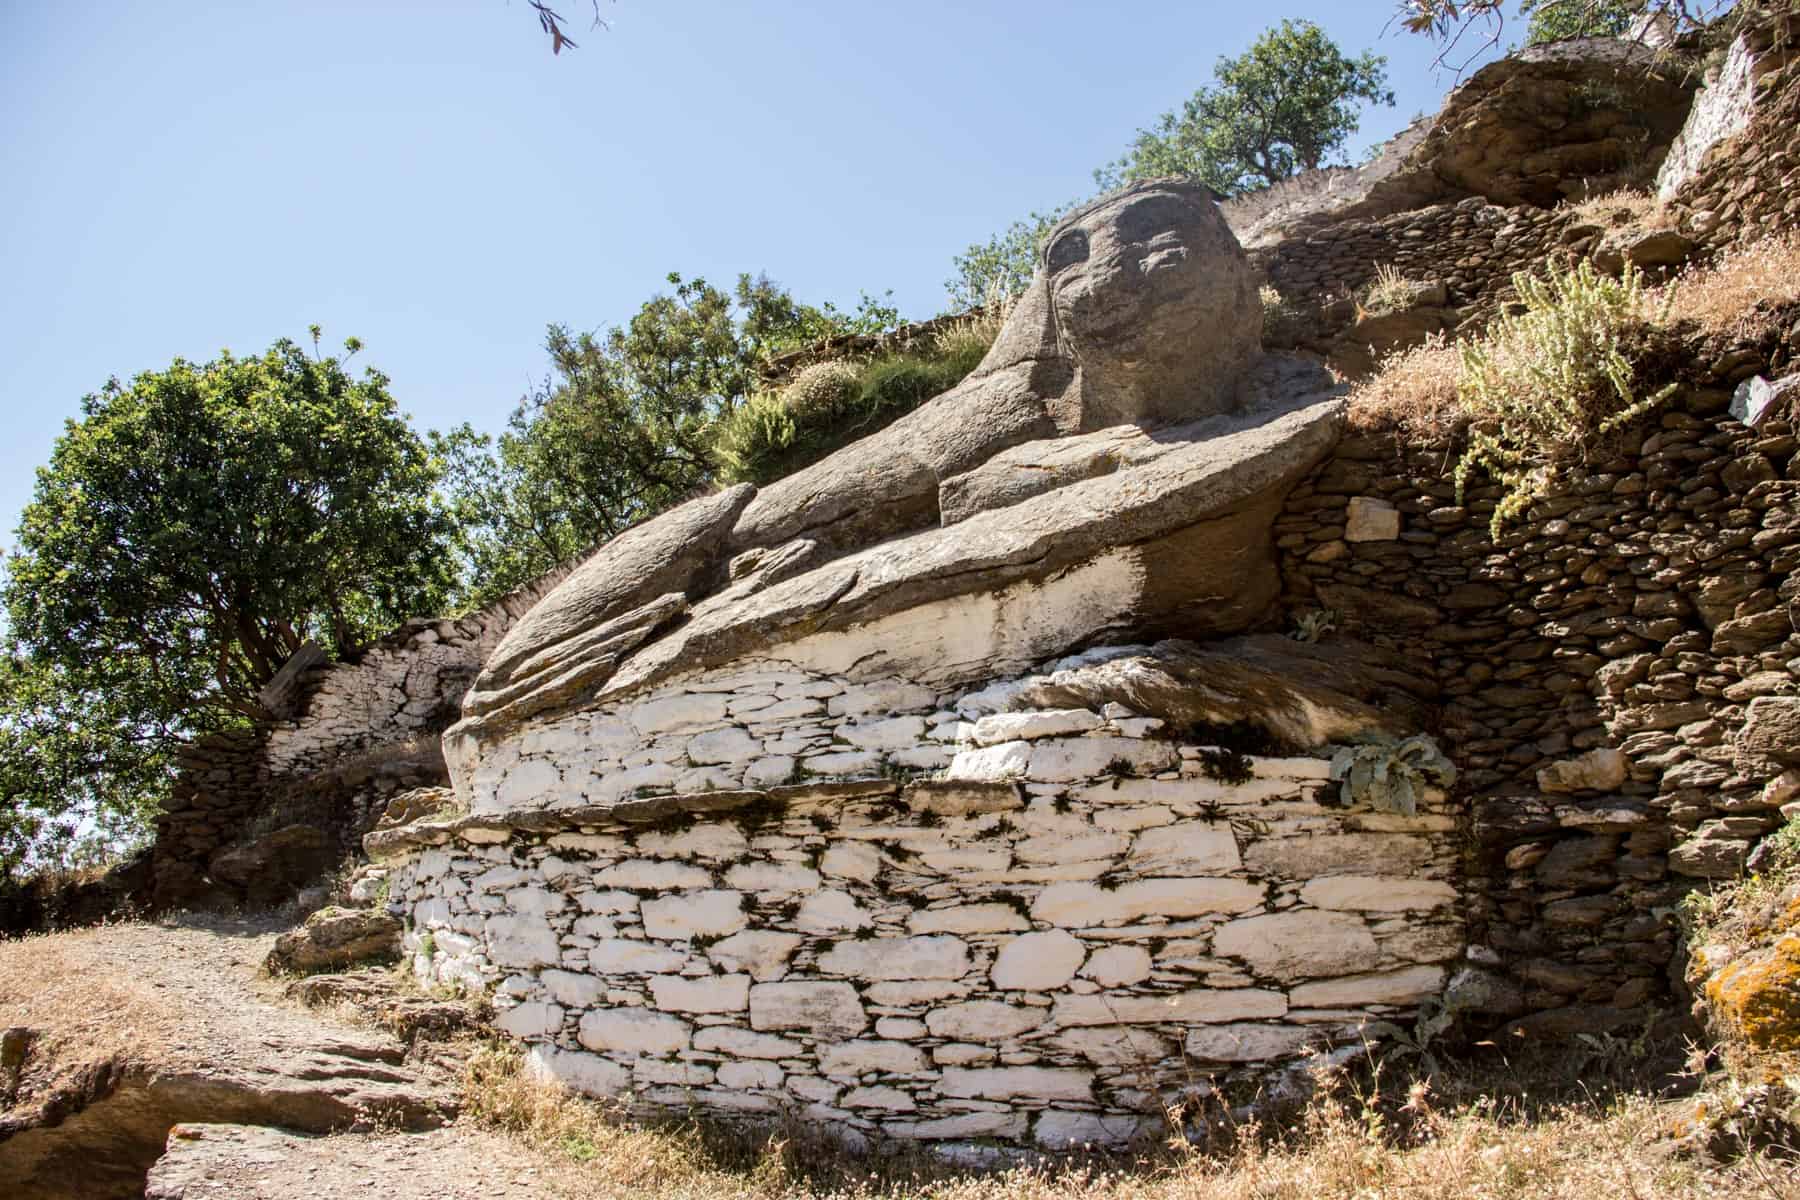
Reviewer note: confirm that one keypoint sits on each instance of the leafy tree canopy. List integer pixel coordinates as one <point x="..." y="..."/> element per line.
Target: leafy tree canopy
<point x="1552" y="21"/>
<point x="1283" y="106"/>
<point x="1003" y="265"/>
<point x="192" y="529"/>
<point x="623" y="427"/>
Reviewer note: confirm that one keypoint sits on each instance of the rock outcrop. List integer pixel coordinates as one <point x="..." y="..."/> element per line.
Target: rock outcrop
<point x="1124" y="400"/>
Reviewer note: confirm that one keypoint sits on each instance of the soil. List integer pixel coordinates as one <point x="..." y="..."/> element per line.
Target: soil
<point x="129" y="1030"/>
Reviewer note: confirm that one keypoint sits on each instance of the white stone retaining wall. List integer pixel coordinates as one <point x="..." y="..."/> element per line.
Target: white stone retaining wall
<point x="1071" y="923"/>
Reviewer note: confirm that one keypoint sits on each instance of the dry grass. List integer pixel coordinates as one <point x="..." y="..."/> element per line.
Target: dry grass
<point x="1413" y="394"/>
<point x="1342" y="1145"/>
<point x="1625" y="207"/>
<point x="65" y="987"/>
<point x="1734" y="295"/>
<point x="1388" y="292"/>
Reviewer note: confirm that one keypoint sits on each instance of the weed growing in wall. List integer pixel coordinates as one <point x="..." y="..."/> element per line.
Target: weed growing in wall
<point x="1547" y="384"/>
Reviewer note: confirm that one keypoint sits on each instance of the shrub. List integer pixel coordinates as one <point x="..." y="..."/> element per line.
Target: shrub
<point x="1738" y="294"/>
<point x="831" y="404"/>
<point x="1389" y="292"/>
<point x="1414" y="393"/>
<point x="1545" y="385"/>
<point x="821" y="388"/>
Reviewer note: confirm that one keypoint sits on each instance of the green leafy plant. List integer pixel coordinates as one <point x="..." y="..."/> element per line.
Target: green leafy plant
<point x="1314" y="624"/>
<point x="1390" y="776"/>
<point x="1546" y="385"/>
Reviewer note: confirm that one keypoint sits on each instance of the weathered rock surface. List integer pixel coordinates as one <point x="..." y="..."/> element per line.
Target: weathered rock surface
<point x="336" y="937"/>
<point x="269" y="869"/>
<point x="1152" y="457"/>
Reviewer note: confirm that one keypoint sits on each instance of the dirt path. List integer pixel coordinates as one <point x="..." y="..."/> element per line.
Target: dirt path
<point x="134" y="1028"/>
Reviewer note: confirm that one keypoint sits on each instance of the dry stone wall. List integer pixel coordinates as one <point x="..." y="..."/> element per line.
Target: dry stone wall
<point x="363" y="731"/>
<point x="741" y="893"/>
<point x="1617" y="672"/>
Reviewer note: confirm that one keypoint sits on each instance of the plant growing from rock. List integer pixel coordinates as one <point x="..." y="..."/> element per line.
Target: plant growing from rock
<point x="1314" y="624"/>
<point x="1388" y="775"/>
<point x="1546" y="385"/>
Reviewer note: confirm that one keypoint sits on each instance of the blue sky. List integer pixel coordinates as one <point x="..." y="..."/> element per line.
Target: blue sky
<point x="181" y="177"/>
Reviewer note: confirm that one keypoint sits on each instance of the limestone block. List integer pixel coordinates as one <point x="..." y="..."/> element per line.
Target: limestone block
<point x="887" y="1099"/>
<point x="531" y="784"/>
<point x="1300" y="943"/>
<point x="1009" y="1126"/>
<point x="769" y="771"/>
<point x="781" y="879"/>
<point x="966" y="862"/>
<point x="588" y="1074"/>
<point x="968" y="918"/>
<point x="1207" y="1005"/>
<point x="746" y="1075"/>
<point x="1602" y="769"/>
<point x="653" y="1072"/>
<point x="741" y="1043"/>
<point x="633" y="1031"/>
<point x="962" y="798"/>
<point x="522" y="941"/>
<point x="1190" y="848"/>
<point x="762" y="953"/>
<point x="846" y="762"/>
<point x="900" y="1028"/>
<point x="983" y="1021"/>
<point x="1058" y="848"/>
<point x="1406" y="986"/>
<point x="676" y="714"/>
<point x="869" y="699"/>
<point x="619" y="785"/>
<point x="1008" y="760"/>
<point x="1038" y="962"/>
<point x="1017" y="1083"/>
<point x="716" y="841"/>
<point x="1313" y="770"/>
<point x="860" y="1057"/>
<point x="498" y="879"/>
<point x="653" y="876"/>
<point x="536" y="901"/>
<point x="1377" y="893"/>
<point x="530" y="1020"/>
<point x="608" y="902"/>
<point x="831" y="910"/>
<point x="852" y="860"/>
<point x="1116" y="1046"/>
<point x="907" y="993"/>
<point x="1078" y="905"/>
<point x="1370" y="519"/>
<point x="920" y="758"/>
<point x="709" y="913"/>
<point x="811" y="1087"/>
<point x="728" y="745"/>
<point x="571" y="988"/>
<point x="1309" y="855"/>
<point x="701" y="994"/>
<point x="706" y="779"/>
<point x="1065" y="760"/>
<point x="825" y="1009"/>
<point x="1029" y="726"/>
<point x="891" y="734"/>
<point x="1062" y="1129"/>
<point x="1250" y="1042"/>
<point x="1117" y="966"/>
<point x="937" y="956"/>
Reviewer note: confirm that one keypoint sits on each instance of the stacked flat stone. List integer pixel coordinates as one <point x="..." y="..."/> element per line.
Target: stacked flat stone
<point x="1069" y="926"/>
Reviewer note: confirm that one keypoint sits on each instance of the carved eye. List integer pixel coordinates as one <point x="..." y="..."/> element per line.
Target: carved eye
<point x="1066" y="251"/>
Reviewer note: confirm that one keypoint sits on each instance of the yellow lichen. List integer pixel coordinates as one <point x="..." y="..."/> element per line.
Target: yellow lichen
<point x="1757" y="997"/>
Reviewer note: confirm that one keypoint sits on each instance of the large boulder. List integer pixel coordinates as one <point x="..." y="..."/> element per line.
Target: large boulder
<point x="1529" y="129"/>
<point x="337" y="937"/>
<point x="1132" y="364"/>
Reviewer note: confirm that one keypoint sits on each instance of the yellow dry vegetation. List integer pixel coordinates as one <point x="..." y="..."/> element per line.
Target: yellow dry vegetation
<point x="1735" y="295"/>
<point x="1338" y="1147"/>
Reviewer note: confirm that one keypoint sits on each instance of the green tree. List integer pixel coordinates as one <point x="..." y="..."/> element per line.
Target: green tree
<point x="1284" y="106"/>
<point x="1554" y="20"/>
<point x="192" y="530"/>
<point x="623" y="427"/>
<point x="1002" y="266"/>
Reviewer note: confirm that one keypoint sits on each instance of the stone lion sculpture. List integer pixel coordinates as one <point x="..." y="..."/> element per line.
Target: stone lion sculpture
<point x="1112" y="466"/>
